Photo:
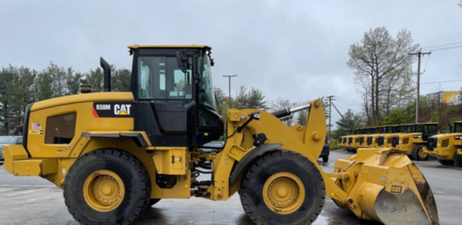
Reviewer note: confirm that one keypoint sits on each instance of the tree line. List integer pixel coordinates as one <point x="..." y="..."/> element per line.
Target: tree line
<point x="20" y="86"/>
<point x="384" y="79"/>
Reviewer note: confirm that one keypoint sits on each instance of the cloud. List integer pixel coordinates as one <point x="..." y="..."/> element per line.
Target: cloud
<point x="291" y="49"/>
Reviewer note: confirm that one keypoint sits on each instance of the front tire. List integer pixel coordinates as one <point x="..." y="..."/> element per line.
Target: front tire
<point x="418" y="154"/>
<point x="107" y="187"/>
<point x="457" y="159"/>
<point x="446" y="162"/>
<point x="282" y="187"/>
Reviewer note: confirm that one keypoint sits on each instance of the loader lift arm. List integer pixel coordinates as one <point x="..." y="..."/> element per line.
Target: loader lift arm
<point x="349" y="186"/>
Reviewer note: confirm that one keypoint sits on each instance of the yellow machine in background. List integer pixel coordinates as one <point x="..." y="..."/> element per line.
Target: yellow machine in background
<point x="365" y="134"/>
<point x="447" y="147"/>
<point x="354" y="139"/>
<point x="372" y="140"/>
<point x="117" y="153"/>
<point x="385" y="140"/>
<point x="413" y="138"/>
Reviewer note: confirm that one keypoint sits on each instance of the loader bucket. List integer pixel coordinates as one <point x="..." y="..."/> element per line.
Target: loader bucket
<point x="385" y="186"/>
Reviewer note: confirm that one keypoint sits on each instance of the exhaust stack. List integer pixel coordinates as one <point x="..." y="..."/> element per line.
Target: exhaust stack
<point x="107" y="75"/>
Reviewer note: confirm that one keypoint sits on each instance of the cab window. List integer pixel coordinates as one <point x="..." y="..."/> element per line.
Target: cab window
<point x="160" y="78"/>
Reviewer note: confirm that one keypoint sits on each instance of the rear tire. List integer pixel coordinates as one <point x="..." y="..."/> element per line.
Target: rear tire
<point x="120" y="179"/>
<point x="279" y="169"/>
<point x="418" y="154"/>
<point x="457" y="159"/>
<point x="446" y="162"/>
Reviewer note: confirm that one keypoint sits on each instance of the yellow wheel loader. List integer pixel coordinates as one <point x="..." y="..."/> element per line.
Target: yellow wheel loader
<point x="363" y="139"/>
<point x="446" y="148"/>
<point x="413" y="138"/>
<point x="372" y="140"/>
<point x="117" y="153"/>
<point x="370" y="137"/>
<point x="353" y="142"/>
<point x="385" y="140"/>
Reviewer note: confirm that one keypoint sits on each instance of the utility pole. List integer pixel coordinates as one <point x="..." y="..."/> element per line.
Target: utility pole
<point x="330" y="114"/>
<point x="419" y="56"/>
<point x="229" y="96"/>
<point x="8" y="128"/>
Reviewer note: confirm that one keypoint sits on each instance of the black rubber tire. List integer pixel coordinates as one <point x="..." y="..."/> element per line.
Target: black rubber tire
<point x="154" y="201"/>
<point x="457" y="160"/>
<point x="127" y="167"/>
<point x="261" y="169"/>
<point x="446" y="162"/>
<point x="325" y="159"/>
<point x="415" y="153"/>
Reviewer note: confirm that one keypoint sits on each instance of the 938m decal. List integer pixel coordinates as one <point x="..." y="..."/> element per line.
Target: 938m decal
<point x="113" y="109"/>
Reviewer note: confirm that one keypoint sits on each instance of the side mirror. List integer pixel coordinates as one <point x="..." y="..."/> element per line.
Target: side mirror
<point x="182" y="61"/>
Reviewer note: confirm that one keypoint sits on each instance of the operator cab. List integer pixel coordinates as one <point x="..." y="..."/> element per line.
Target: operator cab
<point x="174" y="97"/>
<point x="407" y="128"/>
<point x="457" y="127"/>
<point x="427" y="129"/>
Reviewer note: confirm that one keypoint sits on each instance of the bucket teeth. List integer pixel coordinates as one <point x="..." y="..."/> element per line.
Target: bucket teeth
<point x="387" y="187"/>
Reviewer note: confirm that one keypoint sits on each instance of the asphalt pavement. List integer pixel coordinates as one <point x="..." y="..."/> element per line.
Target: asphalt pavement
<point x="33" y="200"/>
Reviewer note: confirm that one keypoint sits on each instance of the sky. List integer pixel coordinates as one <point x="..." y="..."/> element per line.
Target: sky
<point x="295" y="50"/>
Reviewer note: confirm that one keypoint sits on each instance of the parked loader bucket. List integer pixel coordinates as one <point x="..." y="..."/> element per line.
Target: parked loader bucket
<point x="385" y="186"/>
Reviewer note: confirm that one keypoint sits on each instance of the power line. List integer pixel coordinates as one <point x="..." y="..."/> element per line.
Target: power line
<point x="337" y="110"/>
<point x="437" y="46"/>
<point x="441" y="49"/>
<point x="426" y="62"/>
<point x="443" y="81"/>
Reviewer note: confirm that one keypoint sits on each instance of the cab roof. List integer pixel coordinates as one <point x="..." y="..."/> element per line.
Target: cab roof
<point x="136" y="46"/>
<point x="427" y="123"/>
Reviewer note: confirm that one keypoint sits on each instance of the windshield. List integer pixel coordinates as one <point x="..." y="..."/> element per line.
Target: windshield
<point x="406" y="129"/>
<point x="458" y="128"/>
<point x="161" y="78"/>
<point x="6" y="140"/>
<point x="206" y="94"/>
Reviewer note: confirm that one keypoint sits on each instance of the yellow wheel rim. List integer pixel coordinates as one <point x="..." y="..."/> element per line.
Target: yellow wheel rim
<point x="283" y="193"/>
<point x="422" y="154"/>
<point x="103" y="190"/>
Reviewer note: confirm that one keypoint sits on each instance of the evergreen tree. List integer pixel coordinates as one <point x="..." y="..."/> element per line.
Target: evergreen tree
<point x="348" y="123"/>
<point x="256" y="99"/>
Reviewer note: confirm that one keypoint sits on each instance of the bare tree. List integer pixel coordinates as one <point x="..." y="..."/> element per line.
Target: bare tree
<point x="382" y="60"/>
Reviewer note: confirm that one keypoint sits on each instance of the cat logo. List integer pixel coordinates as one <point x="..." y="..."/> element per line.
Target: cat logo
<point x="113" y="109"/>
<point x="122" y="109"/>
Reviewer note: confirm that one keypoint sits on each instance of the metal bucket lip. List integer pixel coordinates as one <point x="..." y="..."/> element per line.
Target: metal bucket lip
<point x="406" y="208"/>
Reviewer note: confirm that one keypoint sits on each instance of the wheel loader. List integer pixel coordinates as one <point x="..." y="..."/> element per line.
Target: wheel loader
<point x="372" y="140"/>
<point x="413" y="138"/>
<point x="117" y="153"/>
<point x="353" y="141"/>
<point x="446" y="148"/>
<point x="386" y="140"/>
<point x="369" y="137"/>
<point x="363" y="137"/>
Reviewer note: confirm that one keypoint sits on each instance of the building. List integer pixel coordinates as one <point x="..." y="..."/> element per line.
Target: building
<point x="445" y="97"/>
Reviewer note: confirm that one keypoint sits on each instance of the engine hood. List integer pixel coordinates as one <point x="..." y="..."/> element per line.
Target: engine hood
<point x="90" y="97"/>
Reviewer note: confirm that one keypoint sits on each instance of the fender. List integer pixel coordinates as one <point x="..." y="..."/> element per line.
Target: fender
<point x="249" y="157"/>
<point x="137" y="137"/>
